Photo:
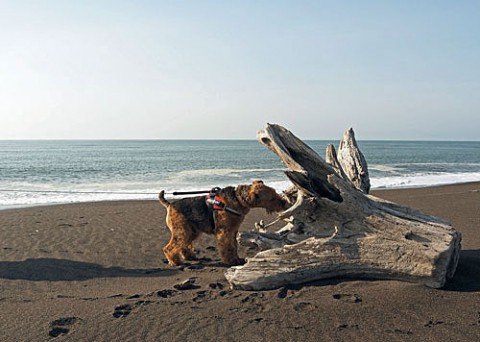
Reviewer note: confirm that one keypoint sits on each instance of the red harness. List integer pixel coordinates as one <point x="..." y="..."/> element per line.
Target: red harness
<point x="214" y="202"/>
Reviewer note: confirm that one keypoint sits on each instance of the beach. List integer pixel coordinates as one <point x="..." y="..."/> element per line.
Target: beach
<point x="96" y="272"/>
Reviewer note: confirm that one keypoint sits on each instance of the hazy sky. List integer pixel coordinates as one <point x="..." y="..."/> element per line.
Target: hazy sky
<point x="222" y="69"/>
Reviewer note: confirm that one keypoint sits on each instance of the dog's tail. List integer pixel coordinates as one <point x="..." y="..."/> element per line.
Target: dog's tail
<point x="161" y="198"/>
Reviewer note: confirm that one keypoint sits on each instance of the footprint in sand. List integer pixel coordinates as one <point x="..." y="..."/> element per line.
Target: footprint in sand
<point x="251" y="298"/>
<point x="125" y="309"/>
<point x="216" y="285"/>
<point x="61" y="326"/>
<point x="122" y="311"/>
<point x="303" y="306"/>
<point x="166" y="293"/>
<point x="347" y="326"/>
<point x="135" y="296"/>
<point x="256" y="320"/>
<point x="399" y="332"/>
<point x="349" y="298"/>
<point x="432" y="323"/>
<point x="282" y="293"/>
<point x="201" y="296"/>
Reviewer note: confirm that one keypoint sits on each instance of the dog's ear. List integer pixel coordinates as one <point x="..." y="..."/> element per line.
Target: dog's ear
<point x="256" y="186"/>
<point x="253" y="190"/>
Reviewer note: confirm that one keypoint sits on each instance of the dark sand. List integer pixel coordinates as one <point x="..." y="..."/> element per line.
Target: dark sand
<point x="95" y="272"/>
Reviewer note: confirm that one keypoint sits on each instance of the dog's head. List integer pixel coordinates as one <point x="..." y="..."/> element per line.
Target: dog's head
<point x="263" y="196"/>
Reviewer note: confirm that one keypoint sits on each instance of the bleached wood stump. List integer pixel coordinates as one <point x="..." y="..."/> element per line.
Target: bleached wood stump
<point x="334" y="229"/>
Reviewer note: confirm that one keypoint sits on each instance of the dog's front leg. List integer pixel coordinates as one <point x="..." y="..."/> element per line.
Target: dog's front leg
<point x="227" y="243"/>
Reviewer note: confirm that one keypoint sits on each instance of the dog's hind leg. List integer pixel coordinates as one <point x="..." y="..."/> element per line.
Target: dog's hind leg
<point x="173" y="251"/>
<point x="188" y="251"/>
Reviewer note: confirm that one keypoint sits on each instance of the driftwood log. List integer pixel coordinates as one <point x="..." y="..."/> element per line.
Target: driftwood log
<point x="335" y="229"/>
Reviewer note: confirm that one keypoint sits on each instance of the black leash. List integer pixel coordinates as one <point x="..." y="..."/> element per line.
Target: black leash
<point x="176" y="193"/>
<point x="78" y="192"/>
<point x="230" y="210"/>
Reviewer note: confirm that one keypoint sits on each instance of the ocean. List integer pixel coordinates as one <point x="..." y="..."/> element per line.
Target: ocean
<point x="48" y="172"/>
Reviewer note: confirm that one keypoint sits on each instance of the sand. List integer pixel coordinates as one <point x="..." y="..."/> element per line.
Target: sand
<point x="96" y="272"/>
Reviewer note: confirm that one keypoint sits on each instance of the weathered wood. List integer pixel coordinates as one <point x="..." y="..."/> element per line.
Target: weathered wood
<point x="335" y="230"/>
<point x="353" y="162"/>
<point x="331" y="158"/>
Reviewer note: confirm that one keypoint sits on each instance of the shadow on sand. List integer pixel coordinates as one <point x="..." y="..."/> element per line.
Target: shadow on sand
<point x="47" y="269"/>
<point x="467" y="276"/>
<point x="466" y="279"/>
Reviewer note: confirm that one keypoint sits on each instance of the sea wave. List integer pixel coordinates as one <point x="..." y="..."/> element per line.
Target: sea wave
<point x="222" y="172"/>
<point x="384" y="168"/>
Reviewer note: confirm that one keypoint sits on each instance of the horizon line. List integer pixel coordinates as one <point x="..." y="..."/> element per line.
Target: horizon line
<point x="221" y="139"/>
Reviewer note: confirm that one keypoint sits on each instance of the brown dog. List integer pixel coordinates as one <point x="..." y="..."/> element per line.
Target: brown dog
<point x="187" y="218"/>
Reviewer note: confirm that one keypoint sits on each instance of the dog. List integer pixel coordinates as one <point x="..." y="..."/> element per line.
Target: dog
<point x="187" y="218"/>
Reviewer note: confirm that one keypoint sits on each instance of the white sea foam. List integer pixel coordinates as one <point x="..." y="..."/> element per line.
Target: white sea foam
<point x="22" y="199"/>
<point x="280" y="185"/>
<point x="147" y="190"/>
<point x="423" y="179"/>
<point x="30" y="194"/>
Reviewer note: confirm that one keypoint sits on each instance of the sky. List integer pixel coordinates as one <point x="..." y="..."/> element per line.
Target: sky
<point x="146" y="69"/>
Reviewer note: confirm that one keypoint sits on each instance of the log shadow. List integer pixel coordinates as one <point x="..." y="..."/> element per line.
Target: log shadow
<point x="467" y="275"/>
<point x="48" y="269"/>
